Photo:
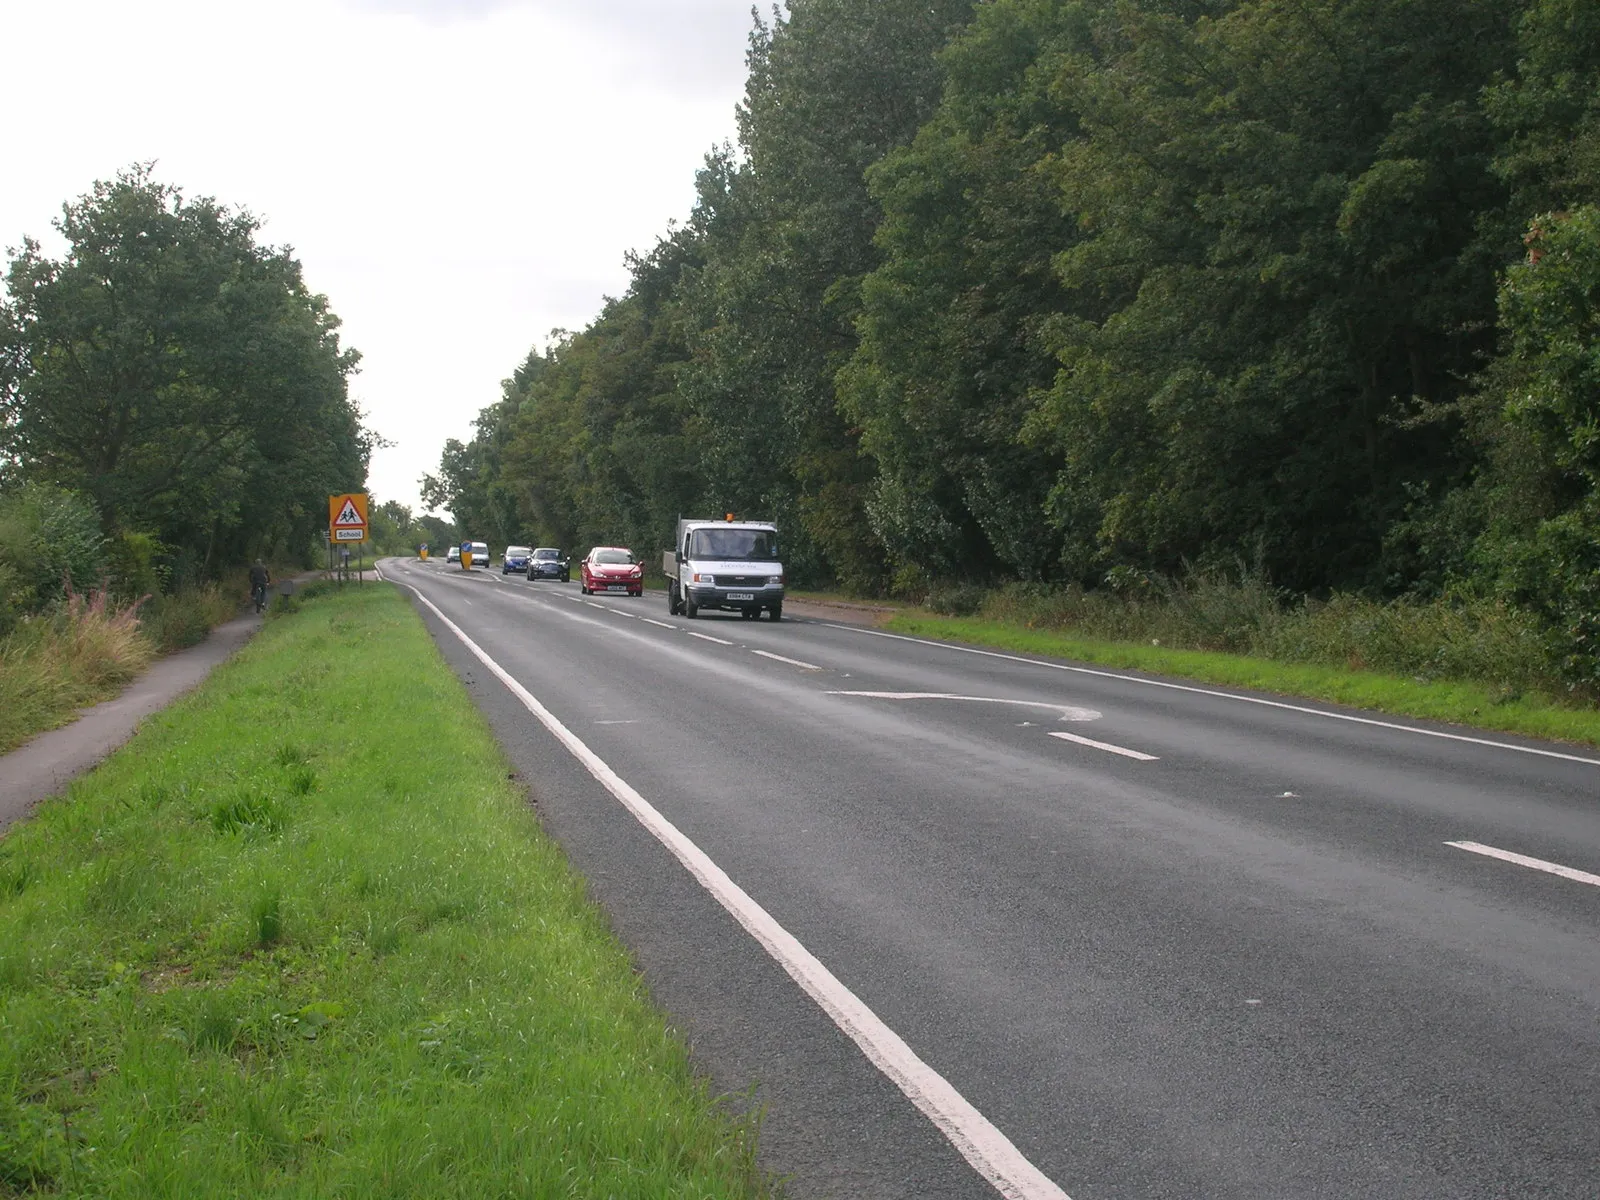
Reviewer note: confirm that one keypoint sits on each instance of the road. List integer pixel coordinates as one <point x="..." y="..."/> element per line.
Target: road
<point x="970" y="924"/>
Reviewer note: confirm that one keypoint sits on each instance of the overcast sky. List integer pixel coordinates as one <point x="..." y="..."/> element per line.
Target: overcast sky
<point x="459" y="177"/>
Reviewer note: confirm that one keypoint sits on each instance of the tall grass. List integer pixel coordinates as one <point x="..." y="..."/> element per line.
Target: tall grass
<point x="1461" y="639"/>
<point x="86" y="650"/>
<point x="54" y="664"/>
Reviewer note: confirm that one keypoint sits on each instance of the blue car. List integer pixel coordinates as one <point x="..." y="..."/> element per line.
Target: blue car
<point x="515" y="559"/>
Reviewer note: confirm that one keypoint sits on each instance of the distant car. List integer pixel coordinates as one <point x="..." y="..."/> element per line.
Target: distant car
<point x="453" y="555"/>
<point x="546" y="562"/>
<point x="514" y="559"/>
<point x="612" y="569"/>
<point x="480" y="555"/>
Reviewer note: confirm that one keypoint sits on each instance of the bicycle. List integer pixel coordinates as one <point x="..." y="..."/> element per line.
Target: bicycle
<point x="258" y="593"/>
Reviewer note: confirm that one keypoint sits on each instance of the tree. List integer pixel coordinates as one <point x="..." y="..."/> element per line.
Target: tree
<point x="834" y="86"/>
<point x="950" y="328"/>
<point x="1283" y="259"/>
<point x="180" y="374"/>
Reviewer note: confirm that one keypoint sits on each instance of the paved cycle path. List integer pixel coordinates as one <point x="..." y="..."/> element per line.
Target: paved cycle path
<point x="45" y="765"/>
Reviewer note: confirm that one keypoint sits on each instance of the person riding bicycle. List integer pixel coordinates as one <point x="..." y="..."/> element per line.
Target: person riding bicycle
<point x="260" y="577"/>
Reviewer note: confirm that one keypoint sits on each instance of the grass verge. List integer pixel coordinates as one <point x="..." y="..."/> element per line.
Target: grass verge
<point x="302" y="937"/>
<point x="1482" y="706"/>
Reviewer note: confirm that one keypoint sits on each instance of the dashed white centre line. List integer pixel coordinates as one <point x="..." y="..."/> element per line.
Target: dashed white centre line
<point x="793" y="662"/>
<point x="1107" y="746"/>
<point x="653" y="621"/>
<point x="706" y="637"/>
<point x="1522" y="860"/>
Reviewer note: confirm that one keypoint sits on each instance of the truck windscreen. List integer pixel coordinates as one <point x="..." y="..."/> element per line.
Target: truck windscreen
<point x="760" y="545"/>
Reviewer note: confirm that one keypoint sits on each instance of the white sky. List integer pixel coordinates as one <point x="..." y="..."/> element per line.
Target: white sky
<point x="459" y="177"/>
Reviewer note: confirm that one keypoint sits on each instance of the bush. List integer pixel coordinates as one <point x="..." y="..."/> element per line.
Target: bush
<point x="1458" y="637"/>
<point x="50" y="544"/>
<point x="135" y="565"/>
<point x="185" y="617"/>
<point x="957" y="600"/>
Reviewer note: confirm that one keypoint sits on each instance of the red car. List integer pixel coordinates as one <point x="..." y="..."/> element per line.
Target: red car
<point x="611" y="569"/>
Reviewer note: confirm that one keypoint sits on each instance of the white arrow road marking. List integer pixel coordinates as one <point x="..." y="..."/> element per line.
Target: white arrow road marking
<point x="1522" y="860"/>
<point x="1067" y="711"/>
<point x="989" y="1151"/>
<point x="793" y="662"/>
<point x="1200" y="691"/>
<point x="1122" y="750"/>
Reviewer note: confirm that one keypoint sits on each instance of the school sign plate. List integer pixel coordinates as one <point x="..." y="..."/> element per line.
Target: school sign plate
<point x="347" y="517"/>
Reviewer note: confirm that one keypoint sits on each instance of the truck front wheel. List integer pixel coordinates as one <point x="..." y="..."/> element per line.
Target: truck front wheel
<point x="690" y="608"/>
<point x="776" y="611"/>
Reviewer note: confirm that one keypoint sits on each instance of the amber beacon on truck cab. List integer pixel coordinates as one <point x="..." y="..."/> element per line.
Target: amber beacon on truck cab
<point x="728" y="564"/>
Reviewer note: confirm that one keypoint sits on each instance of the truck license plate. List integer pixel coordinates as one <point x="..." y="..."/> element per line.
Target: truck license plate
<point x="740" y="596"/>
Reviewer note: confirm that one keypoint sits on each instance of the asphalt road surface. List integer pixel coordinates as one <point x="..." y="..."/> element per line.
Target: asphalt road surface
<point x="971" y="924"/>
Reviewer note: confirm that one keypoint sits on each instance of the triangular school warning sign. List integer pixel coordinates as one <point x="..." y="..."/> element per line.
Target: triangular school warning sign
<point x="347" y="517"/>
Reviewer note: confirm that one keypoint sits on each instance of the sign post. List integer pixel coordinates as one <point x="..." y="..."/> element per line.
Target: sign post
<point x="347" y="523"/>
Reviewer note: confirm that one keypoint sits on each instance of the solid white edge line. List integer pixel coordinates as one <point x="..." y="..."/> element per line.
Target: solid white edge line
<point x="1522" y="860"/>
<point x="989" y="1151"/>
<point x="706" y="637"/>
<point x="1200" y="691"/>
<point x="793" y="662"/>
<point x="1083" y="741"/>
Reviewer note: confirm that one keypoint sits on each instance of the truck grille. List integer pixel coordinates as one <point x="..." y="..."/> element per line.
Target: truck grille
<point x="745" y="581"/>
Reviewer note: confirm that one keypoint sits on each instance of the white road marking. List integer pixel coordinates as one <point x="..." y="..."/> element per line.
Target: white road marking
<point x="793" y="662"/>
<point x="630" y="722"/>
<point x="1067" y="711"/>
<point x="988" y="1150"/>
<point x="653" y="621"/>
<point x="1083" y="741"/>
<point x="1522" y="860"/>
<point x="619" y="612"/>
<point x="1200" y="691"/>
<point x="706" y="637"/>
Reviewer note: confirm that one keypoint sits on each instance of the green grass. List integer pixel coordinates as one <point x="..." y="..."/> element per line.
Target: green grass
<point x="302" y="937"/>
<point x="1482" y="705"/>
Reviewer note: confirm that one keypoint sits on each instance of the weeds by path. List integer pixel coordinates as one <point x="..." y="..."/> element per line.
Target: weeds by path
<point x="303" y="938"/>
<point x="87" y="650"/>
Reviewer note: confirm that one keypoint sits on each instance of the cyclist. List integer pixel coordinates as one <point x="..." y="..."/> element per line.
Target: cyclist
<point x="259" y="579"/>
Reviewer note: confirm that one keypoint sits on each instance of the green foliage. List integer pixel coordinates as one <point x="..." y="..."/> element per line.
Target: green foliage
<point x="50" y="544"/>
<point x="950" y="348"/>
<point x="180" y="375"/>
<point x="1543" y="543"/>
<point x="1460" y="639"/>
<point x="1266" y="292"/>
<point x="1088" y="291"/>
